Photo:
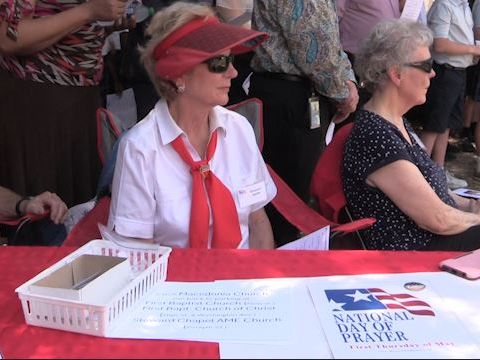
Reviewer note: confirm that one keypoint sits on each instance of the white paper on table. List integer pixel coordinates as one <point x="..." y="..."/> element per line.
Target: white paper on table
<point x="470" y="193"/>
<point x="355" y="331"/>
<point x="307" y="341"/>
<point x="411" y="9"/>
<point x="463" y="297"/>
<point x="317" y="240"/>
<point x="245" y="311"/>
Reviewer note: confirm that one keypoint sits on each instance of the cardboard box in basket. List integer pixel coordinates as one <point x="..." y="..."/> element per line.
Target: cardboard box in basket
<point x="88" y="278"/>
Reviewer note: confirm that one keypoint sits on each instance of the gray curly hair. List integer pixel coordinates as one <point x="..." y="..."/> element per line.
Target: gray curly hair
<point x="163" y="24"/>
<point x="390" y="43"/>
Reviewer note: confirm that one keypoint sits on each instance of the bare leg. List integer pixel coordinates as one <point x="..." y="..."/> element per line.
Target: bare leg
<point x="440" y="148"/>
<point x="428" y="138"/>
<point x="468" y="112"/>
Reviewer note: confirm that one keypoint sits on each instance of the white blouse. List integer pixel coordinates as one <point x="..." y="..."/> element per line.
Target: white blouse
<point x="152" y="186"/>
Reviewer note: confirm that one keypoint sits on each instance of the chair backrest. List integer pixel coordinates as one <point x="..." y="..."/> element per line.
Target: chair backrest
<point x="326" y="186"/>
<point x="109" y="129"/>
<point x="252" y="109"/>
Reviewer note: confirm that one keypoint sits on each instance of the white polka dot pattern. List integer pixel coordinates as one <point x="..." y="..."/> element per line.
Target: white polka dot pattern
<point x="374" y="143"/>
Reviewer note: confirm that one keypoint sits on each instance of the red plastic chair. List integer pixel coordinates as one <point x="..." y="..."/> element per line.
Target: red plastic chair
<point x="305" y="218"/>
<point x="327" y="188"/>
<point x="109" y="129"/>
<point x="287" y="202"/>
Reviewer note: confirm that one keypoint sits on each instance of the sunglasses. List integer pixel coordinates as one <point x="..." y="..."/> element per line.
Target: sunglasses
<point x="425" y="65"/>
<point x="219" y="64"/>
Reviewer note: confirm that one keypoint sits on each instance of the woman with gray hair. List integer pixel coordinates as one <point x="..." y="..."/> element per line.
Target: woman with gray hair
<point x="191" y="174"/>
<point x="386" y="172"/>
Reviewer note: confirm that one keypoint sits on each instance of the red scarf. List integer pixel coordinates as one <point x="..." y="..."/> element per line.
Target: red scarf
<point x="226" y="227"/>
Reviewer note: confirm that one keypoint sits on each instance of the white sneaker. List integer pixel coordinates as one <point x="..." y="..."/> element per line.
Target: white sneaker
<point x="454" y="182"/>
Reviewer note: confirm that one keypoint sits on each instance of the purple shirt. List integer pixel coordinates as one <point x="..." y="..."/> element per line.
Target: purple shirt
<point x="358" y="17"/>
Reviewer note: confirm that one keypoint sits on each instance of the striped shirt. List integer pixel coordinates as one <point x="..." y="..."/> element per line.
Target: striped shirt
<point x="75" y="60"/>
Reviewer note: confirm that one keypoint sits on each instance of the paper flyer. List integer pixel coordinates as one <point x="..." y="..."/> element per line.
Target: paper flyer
<point x="212" y="311"/>
<point x="389" y="316"/>
<point x="317" y="240"/>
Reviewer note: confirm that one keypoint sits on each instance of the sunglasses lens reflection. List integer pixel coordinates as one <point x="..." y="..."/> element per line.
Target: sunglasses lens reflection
<point x="219" y="64"/>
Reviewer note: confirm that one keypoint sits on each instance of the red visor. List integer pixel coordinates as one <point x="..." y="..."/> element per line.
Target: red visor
<point x="200" y="40"/>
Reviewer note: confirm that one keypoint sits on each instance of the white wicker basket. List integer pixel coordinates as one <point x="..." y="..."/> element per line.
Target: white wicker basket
<point x="149" y="267"/>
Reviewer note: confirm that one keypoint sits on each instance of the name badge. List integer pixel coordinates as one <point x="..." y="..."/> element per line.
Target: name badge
<point x="314" y="112"/>
<point x="252" y="194"/>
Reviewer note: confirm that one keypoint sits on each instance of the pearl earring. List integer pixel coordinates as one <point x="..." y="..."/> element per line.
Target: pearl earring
<point x="180" y="89"/>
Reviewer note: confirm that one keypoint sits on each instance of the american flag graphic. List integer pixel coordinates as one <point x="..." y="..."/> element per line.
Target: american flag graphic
<point x="376" y="299"/>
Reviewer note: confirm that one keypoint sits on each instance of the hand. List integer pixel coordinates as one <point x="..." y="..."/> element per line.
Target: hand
<point x="476" y="50"/>
<point x="349" y="105"/>
<point x="46" y="201"/>
<point x="106" y="10"/>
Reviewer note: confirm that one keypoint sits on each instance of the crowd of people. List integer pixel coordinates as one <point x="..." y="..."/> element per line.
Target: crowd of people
<point x="190" y="172"/>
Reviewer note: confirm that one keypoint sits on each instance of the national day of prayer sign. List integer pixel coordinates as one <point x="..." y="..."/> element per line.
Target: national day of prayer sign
<point x="388" y="316"/>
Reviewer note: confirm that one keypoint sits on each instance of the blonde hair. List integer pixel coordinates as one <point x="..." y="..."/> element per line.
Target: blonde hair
<point x="163" y="24"/>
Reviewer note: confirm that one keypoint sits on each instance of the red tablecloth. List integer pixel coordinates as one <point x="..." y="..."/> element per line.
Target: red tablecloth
<point x="19" y="264"/>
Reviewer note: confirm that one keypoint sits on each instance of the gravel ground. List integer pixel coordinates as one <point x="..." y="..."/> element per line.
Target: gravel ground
<point x="463" y="166"/>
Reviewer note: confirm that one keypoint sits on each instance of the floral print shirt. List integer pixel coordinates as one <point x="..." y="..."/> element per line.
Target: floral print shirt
<point x="304" y="40"/>
<point x="75" y="60"/>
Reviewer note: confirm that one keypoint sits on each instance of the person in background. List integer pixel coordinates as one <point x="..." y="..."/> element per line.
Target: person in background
<point x="47" y="231"/>
<point x="13" y="205"/>
<point x="356" y="18"/>
<point x="237" y="12"/>
<point x="475" y="116"/>
<point x="454" y="50"/>
<point x="191" y="174"/>
<point x="386" y="172"/>
<point x="300" y="67"/>
<point x="50" y="68"/>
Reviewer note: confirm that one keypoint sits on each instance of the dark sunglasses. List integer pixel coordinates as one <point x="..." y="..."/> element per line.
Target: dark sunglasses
<point x="219" y="64"/>
<point x="425" y="65"/>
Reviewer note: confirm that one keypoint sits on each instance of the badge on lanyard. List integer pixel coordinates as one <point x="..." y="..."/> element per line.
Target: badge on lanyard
<point x="314" y="111"/>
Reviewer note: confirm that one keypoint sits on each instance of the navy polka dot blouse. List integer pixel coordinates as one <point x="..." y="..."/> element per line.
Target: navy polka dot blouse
<point x="373" y="143"/>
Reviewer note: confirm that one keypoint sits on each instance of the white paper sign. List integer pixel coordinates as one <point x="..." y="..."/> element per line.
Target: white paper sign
<point x="239" y="311"/>
<point x="389" y="316"/>
<point x="317" y="240"/>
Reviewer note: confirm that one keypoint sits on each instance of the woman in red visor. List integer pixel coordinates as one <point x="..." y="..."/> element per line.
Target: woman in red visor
<point x="190" y="174"/>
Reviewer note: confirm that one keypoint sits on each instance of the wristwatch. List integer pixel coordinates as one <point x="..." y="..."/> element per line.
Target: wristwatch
<point x="18" y="204"/>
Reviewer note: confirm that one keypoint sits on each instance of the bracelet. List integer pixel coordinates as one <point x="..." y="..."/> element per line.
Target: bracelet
<point x="19" y="202"/>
